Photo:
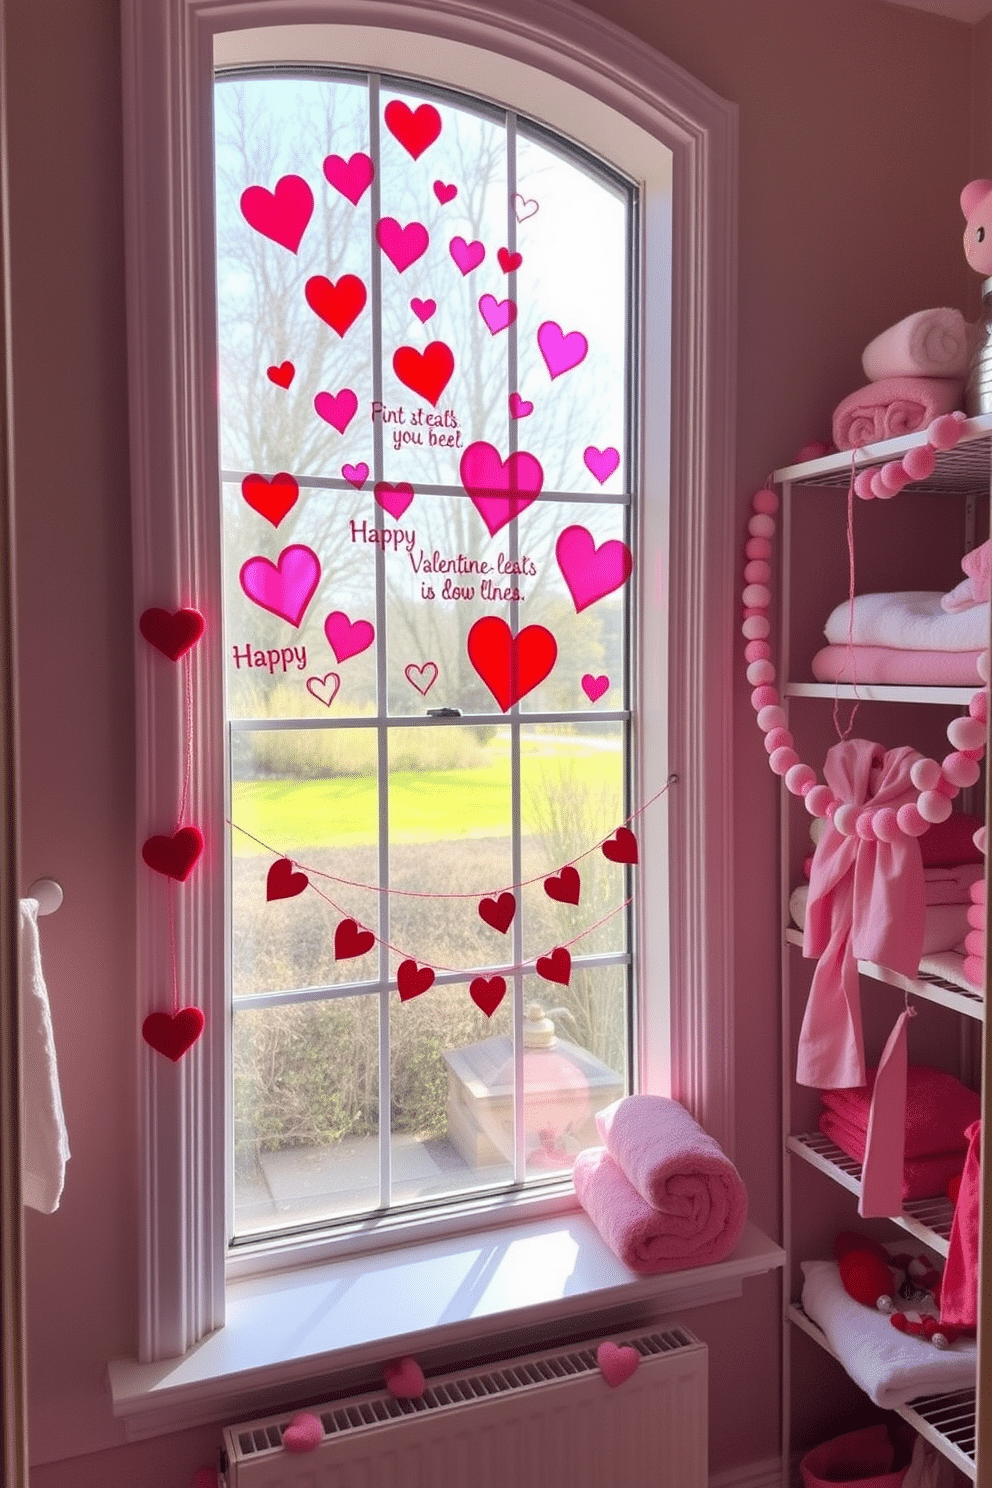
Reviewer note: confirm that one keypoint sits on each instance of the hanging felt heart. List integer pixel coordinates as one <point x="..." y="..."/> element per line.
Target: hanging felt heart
<point x="444" y="192"/>
<point x="509" y="665"/>
<point x="324" y="689"/>
<point x="601" y="462"/>
<point x="423" y="309"/>
<point x="487" y="993"/>
<point x="304" y="1432"/>
<point x="393" y="499"/>
<point x="617" y="1363"/>
<point x="175" y="856"/>
<point x="566" y="887"/>
<point x="351" y="177"/>
<point x="594" y="687"/>
<point x="336" y="409"/>
<point x="282" y="214"/>
<point x="621" y="847"/>
<point x="426" y="372"/>
<point x="421" y="677"/>
<point x="338" y="305"/>
<point x="405" y="1379"/>
<point x="500" y="489"/>
<point x="591" y="572"/>
<point x="285" y="587"/>
<point x="282" y="883"/>
<point x="346" y="637"/>
<point x="282" y="375"/>
<point x="560" y="352"/>
<point x="556" y="966"/>
<point x="467" y="256"/>
<point x="401" y="245"/>
<point x="498" y="314"/>
<point x="498" y="912"/>
<point x="351" y="941"/>
<point x="172" y="1034"/>
<point x="171" y="632"/>
<point x="272" y="499"/>
<point x="412" y="980"/>
<point x="414" y="128"/>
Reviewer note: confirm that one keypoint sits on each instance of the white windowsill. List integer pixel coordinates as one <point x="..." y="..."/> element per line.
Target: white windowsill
<point x="316" y="1330"/>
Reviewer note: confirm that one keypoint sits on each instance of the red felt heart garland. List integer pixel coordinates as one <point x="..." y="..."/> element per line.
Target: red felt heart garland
<point x="412" y="981"/>
<point x="621" y="847"/>
<point x="487" y="993"/>
<point x="175" y="856"/>
<point x="498" y="912"/>
<point x="282" y="883"/>
<point x="565" y="888"/>
<point x="171" y="632"/>
<point x="172" y="1034"/>
<point x="350" y="940"/>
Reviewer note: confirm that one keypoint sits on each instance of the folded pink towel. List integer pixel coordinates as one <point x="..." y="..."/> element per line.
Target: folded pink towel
<point x="976" y="587"/>
<point x="938" y="1108"/>
<point x="892" y="667"/>
<point x="929" y="343"/>
<point x="893" y="406"/>
<point x="700" y="1225"/>
<point x="922" y="1177"/>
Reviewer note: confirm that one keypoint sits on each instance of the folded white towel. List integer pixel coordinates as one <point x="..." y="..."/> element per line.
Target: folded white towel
<point x="910" y="620"/>
<point x="945" y="925"/>
<point x="44" y="1142"/>
<point x="929" y="343"/>
<point x="892" y="1368"/>
<point x="949" y="966"/>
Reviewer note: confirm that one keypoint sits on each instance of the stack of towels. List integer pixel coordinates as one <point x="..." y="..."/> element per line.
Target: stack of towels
<point x="906" y="638"/>
<point x="661" y="1192"/>
<point x="916" y="371"/>
<point x="939" y="1111"/>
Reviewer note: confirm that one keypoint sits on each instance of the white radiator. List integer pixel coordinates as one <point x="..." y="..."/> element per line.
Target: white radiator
<point x="541" y="1421"/>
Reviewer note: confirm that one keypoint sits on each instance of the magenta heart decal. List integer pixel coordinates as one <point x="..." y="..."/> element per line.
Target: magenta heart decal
<point x="617" y="1362"/>
<point x="356" y="475"/>
<point x="497" y="314"/>
<point x="324" y="689"/>
<point x="444" y="192"/>
<point x="467" y="256"/>
<point x="423" y="309"/>
<point x="405" y="1379"/>
<point x="522" y="208"/>
<point x="393" y="499"/>
<point x="421" y="677"/>
<point x="401" y="245"/>
<point x="282" y="214"/>
<point x="519" y="407"/>
<point x="601" y="463"/>
<point x="560" y="352"/>
<point x="594" y="687"/>
<point x="347" y="638"/>
<point x="303" y="1433"/>
<point x="591" y="572"/>
<point x="337" y="409"/>
<point x="500" y="489"/>
<point x="285" y="587"/>
<point x="351" y="177"/>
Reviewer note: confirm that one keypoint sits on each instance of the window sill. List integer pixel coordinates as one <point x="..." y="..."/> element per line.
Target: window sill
<point x="327" y="1329"/>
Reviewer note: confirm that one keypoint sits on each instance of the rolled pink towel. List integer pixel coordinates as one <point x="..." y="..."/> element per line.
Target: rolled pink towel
<point x="929" y="343"/>
<point x="893" y="406"/>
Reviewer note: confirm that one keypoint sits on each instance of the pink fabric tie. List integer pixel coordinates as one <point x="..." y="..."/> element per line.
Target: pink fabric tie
<point x="885" y="1141"/>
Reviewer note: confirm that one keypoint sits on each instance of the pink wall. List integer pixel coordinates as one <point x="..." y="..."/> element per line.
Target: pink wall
<point x="855" y="138"/>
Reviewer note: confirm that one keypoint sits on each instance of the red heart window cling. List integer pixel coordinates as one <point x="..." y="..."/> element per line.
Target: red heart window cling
<point x="510" y="665"/>
<point x="426" y="373"/>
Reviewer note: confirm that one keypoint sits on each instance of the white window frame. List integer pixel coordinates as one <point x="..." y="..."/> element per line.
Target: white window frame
<point x="685" y="621"/>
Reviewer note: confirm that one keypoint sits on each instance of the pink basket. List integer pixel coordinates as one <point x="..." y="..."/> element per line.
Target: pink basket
<point x="861" y="1459"/>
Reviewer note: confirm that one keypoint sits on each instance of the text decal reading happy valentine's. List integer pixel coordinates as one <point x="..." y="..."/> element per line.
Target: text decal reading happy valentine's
<point x="441" y="574"/>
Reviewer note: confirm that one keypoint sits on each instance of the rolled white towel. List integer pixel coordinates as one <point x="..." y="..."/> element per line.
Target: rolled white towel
<point x="909" y="620"/>
<point x="929" y="343"/>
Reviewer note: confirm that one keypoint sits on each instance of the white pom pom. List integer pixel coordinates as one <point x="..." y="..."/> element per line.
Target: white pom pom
<point x="933" y="807"/>
<point x="924" y="774"/>
<point x="846" y="819"/>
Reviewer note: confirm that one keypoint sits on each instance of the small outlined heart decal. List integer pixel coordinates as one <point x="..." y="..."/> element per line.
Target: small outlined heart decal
<point x="414" y="128"/>
<point x="282" y="883"/>
<point x="356" y="475"/>
<point x="487" y="993"/>
<point x="281" y="214"/>
<point x="522" y="207"/>
<point x="324" y="689"/>
<point x="172" y="1034"/>
<point x="617" y="1362"/>
<point x="444" y="192"/>
<point x="304" y="1432"/>
<point x="510" y="666"/>
<point x="272" y="499"/>
<point x="285" y="587"/>
<point x="594" y="687"/>
<point x="467" y="256"/>
<point x="556" y="966"/>
<point x="421" y="677"/>
<point x="393" y="499"/>
<point x="350" y="940"/>
<point x="621" y="847"/>
<point x="171" y="632"/>
<point x="566" y="887"/>
<point x="426" y="372"/>
<point x="338" y="305"/>
<point x="175" y="856"/>
<point x="347" y="637"/>
<point x="282" y="374"/>
<point x="498" y="912"/>
<point x="351" y="177"/>
<point x="405" y="1379"/>
<point x="412" y="981"/>
<point x="508" y="261"/>
<point x="423" y="309"/>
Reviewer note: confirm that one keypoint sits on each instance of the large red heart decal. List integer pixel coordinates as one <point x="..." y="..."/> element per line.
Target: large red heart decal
<point x="338" y="305"/>
<point x="282" y="214"/>
<point x="556" y="966"/>
<point x="272" y="499"/>
<point x="350" y="941"/>
<point x="414" y="128"/>
<point x="174" y="856"/>
<point x="172" y="633"/>
<point x="487" y="993"/>
<point x="498" y="912"/>
<point x="426" y="372"/>
<point x="565" y="888"/>
<point x="412" y="980"/>
<point x="282" y="883"/>
<point x="621" y="847"/>
<point x="500" y="489"/>
<point x="172" y="1034"/>
<point x="511" y="666"/>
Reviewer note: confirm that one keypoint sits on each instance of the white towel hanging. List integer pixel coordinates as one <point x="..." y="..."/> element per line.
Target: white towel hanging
<point x="44" y="1142"/>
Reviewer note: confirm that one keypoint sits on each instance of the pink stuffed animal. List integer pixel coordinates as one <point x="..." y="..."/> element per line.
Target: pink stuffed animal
<point x="976" y="204"/>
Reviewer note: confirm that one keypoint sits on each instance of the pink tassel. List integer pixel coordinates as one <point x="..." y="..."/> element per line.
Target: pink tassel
<point x="881" y="1171"/>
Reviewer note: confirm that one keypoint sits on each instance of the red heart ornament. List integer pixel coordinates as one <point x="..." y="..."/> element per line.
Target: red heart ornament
<point x="405" y="1379"/>
<point x="272" y="499"/>
<point x="350" y="941"/>
<point x="172" y="1034"/>
<point x="411" y="980"/>
<point x="565" y="888"/>
<point x="508" y="261"/>
<point x="174" y="856"/>
<point x="282" y="375"/>
<point x="498" y="912"/>
<point x="282" y="883"/>
<point x="171" y="633"/>
<point x="510" y="666"/>
<point x="487" y="994"/>
<point x="282" y="214"/>
<point x="621" y="847"/>
<point x="617" y="1362"/>
<point x="338" y="305"/>
<point x="556" y="966"/>
<point x="303" y="1433"/>
<point x="414" y="128"/>
<point x="426" y="372"/>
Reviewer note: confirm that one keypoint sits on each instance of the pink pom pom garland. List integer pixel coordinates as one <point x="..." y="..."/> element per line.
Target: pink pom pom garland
<point x="937" y="782"/>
